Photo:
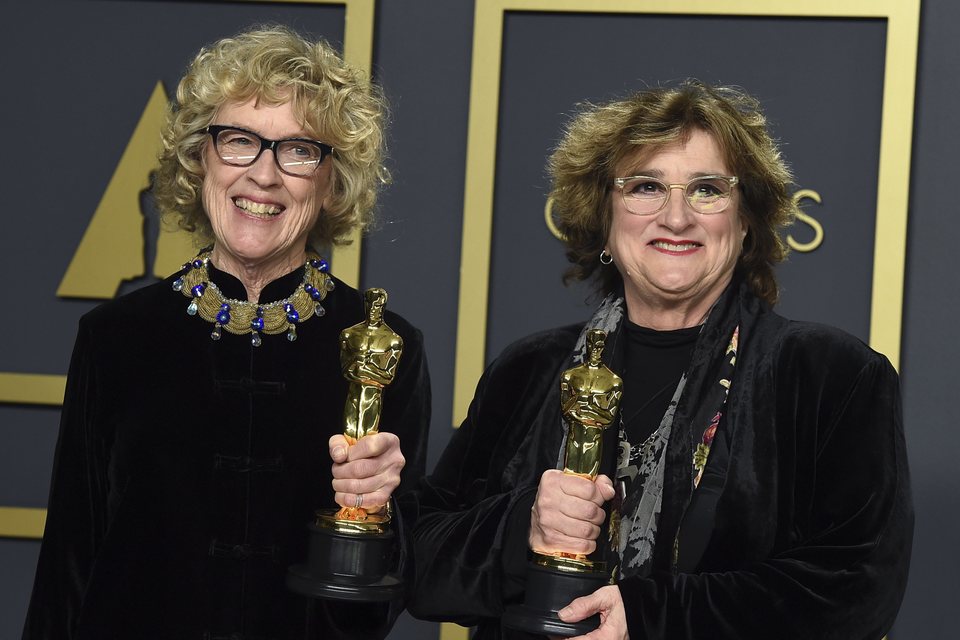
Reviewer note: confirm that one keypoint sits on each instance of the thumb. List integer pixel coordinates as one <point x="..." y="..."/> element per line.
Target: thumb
<point x="605" y="487"/>
<point x="338" y="446"/>
<point x="581" y="608"/>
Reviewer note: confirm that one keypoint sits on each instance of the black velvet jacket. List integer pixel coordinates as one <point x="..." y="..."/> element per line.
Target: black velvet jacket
<point x="813" y="528"/>
<point x="187" y="469"/>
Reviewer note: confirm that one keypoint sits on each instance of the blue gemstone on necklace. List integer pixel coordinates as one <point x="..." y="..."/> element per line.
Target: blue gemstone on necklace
<point x="198" y="289"/>
<point x="259" y="312"/>
<point x="223" y="317"/>
<point x="313" y="291"/>
<point x="292" y="315"/>
<point x="256" y="324"/>
<point x="197" y="263"/>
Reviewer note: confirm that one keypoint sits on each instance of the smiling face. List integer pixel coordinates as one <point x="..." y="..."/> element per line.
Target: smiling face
<point x="261" y="216"/>
<point x="675" y="263"/>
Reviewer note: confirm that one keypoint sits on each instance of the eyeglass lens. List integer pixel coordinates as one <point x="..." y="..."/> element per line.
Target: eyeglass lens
<point x="240" y="148"/>
<point x="644" y="195"/>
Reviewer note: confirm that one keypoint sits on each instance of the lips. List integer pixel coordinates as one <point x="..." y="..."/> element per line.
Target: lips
<point x="675" y="246"/>
<point x="258" y="209"/>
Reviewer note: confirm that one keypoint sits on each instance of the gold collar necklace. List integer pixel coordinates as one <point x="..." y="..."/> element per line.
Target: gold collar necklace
<point x="241" y="317"/>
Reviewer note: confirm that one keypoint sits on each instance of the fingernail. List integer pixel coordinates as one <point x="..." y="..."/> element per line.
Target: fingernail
<point x="338" y="452"/>
<point x="563" y="613"/>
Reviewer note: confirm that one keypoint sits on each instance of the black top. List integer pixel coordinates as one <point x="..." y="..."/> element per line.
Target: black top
<point x="655" y="360"/>
<point x="187" y="470"/>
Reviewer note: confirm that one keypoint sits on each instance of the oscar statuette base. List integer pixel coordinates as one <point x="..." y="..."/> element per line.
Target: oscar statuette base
<point x="347" y="561"/>
<point x="548" y="590"/>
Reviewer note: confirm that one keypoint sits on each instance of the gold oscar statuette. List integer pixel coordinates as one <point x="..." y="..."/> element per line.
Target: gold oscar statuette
<point x="369" y="354"/>
<point x="350" y="549"/>
<point x="589" y="398"/>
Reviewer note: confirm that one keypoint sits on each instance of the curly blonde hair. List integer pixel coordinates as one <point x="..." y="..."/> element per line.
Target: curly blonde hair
<point x="334" y="102"/>
<point x="601" y="137"/>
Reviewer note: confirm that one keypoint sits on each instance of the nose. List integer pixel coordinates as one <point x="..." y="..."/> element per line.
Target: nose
<point x="677" y="214"/>
<point x="264" y="171"/>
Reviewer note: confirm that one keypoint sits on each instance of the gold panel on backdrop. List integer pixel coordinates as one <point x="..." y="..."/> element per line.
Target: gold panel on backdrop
<point x="111" y="249"/>
<point x="902" y="17"/>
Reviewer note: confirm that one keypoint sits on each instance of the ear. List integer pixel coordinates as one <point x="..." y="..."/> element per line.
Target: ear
<point x="332" y="178"/>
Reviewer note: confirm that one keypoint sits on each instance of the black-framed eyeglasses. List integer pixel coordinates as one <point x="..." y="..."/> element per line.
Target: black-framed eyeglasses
<point x="241" y="148"/>
<point x="645" y="195"/>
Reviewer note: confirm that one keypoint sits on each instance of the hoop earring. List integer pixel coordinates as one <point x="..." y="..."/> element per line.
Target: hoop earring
<point x="605" y="257"/>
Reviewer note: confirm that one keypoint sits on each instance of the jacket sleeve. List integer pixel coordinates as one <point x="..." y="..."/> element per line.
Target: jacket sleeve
<point x="470" y="538"/>
<point x="844" y="575"/>
<point x="76" y="509"/>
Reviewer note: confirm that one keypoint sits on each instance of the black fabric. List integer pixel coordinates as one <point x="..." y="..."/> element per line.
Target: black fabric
<point x="187" y="470"/>
<point x="655" y="360"/>
<point x="698" y="521"/>
<point x="812" y="529"/>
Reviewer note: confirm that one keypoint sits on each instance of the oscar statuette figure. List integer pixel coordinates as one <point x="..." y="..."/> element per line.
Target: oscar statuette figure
<point x="589" y="398"/>
<point x="351" y="548"/>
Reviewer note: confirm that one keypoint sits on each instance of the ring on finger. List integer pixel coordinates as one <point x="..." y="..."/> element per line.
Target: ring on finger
<point x="359" y="501"/>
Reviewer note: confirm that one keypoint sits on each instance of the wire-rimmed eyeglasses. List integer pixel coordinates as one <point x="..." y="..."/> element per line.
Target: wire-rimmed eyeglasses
<point x="646" y="195"/>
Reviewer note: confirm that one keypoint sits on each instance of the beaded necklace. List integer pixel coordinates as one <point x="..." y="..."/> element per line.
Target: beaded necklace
<point x="241" y="317"/>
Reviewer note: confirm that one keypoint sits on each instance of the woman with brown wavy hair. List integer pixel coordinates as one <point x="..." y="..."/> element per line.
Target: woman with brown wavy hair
<point x="758" y="487"/>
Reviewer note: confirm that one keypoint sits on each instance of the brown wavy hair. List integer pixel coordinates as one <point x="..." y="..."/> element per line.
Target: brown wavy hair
<point x="334" y="102"/>
<point x="601" y="137"/>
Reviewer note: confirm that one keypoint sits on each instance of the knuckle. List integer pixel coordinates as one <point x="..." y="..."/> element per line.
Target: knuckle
<point x="586" y="547"/>
<point x="598" y="516"/>
<point x="364" y="468"/>
<point x="586" y="531"/>
<point x="550" y="477"/>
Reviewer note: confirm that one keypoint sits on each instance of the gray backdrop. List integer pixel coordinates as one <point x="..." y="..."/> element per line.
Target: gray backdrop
<point x="80" y="73"/>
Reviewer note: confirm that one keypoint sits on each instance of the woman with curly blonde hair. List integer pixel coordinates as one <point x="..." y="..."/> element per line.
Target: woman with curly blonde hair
<point x="756" y="483"/>
<point x="202" y="424"/>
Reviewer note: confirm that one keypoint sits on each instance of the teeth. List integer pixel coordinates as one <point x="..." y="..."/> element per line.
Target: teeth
<point x="257" y="208"/>
<point x="675" y="247"/>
